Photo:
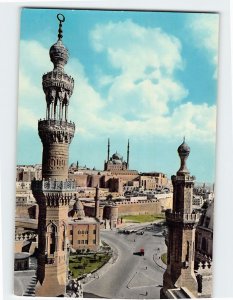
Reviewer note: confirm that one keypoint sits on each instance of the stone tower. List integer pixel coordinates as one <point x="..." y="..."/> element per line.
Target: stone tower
<point x="54" y="191"/>
<point x="181" y="223"/>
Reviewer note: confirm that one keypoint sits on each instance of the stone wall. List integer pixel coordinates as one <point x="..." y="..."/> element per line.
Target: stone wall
<point x="27" y="211"/>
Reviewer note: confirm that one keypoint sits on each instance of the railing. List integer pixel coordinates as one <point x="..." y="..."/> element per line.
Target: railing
<point x="53" y="185"/>
<point x="56" y="123"/>
<point x="182" y="217"/>
<point x="25" y="236"/>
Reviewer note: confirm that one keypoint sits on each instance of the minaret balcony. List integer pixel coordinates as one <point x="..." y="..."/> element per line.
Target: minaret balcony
<point x="54" y="185"/>
<point x="58" y="79"/>
<point x="178" y="217"/>
<point x="55" y="123"/>
<point x="186" y="177"/>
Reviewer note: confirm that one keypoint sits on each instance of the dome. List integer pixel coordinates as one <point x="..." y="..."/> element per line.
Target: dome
<point x="117" y="156"/>
<point x="58" y="55"/>
<point x="73" y="165"/>
<point x="78" y="210"/>
<point x="183" y="149"/>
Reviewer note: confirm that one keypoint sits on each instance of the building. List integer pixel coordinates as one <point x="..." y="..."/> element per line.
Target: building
<point x="26" y="173"/>
<point x="204" y="236"/>
<point x="84" y="232"/>
<point x="115" y="162"/>
<point x="181" y="222"/>
<point x="54" y="191"/>
<point x="153" y="180"/>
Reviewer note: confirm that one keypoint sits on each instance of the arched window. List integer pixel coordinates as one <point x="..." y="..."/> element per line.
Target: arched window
<point x="51" y="229"/>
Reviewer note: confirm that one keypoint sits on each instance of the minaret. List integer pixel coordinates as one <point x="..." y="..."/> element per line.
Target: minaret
<point x="97" y="203"/>
<point x="54" y="191"/>
<point x="108" y="156"/>
<point x="128" y="155"/>
<point x="181" y="222"/>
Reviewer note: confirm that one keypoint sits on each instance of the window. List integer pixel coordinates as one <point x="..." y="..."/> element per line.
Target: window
<point x="94" y="231"/>
<point x="71" y="232"/>
<point x="204" y="245"/>
<point x="94" y="241"/>
<point x="86" y="242"/>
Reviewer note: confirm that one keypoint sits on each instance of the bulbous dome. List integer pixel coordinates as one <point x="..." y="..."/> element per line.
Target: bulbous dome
<point x="58" y="55"/>
<point x="183" y="149"/>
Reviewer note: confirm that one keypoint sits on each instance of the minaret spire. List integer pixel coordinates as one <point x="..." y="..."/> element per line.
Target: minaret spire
<point x="128" y="155"/>
<point x="108" y="154"/>
<point x="61" y="19"/>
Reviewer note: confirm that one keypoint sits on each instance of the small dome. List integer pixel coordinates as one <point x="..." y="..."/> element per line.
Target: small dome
<point x="59" y="55"/>
<point x="73" y="165"/>
<point x="78" y="210"/>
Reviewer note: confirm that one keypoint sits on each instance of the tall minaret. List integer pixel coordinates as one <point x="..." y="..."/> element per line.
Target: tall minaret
<point x="128" y="155"/>
<point x="54" y="191"/>
<point x="181" y="223"/>
<point x="108" y="155"/>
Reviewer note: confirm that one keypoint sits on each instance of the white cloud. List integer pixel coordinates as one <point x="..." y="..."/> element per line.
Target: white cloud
<point x="143" y="99"/>
<point x="205" y="29"/>
<point x="26" y="118"/>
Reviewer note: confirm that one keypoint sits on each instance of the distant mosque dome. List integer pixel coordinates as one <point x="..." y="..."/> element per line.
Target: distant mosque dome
<point x="117" y="156"/>
<point x="73" y="165"/>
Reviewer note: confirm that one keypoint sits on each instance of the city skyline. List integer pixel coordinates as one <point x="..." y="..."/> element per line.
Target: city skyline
<point x="149" y="82"/>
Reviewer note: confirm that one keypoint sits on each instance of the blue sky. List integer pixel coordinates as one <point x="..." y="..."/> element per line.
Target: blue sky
<point x="147" y="76"/>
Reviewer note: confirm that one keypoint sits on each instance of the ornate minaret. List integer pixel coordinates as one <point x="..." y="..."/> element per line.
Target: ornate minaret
<point x="181" y="223"/>
<point x="54" y="192"/>
<point x="128" y="155"/>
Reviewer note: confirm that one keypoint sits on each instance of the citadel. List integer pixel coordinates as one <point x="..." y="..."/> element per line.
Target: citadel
<point x="62" y="209"/>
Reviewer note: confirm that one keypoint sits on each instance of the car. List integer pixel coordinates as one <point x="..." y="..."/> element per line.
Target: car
<point x="140" y="233"/>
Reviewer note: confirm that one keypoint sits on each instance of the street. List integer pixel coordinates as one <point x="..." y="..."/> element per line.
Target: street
<point x="131" y="276"/>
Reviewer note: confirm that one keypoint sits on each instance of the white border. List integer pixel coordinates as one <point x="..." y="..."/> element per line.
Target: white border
<point x="9" y="37"/>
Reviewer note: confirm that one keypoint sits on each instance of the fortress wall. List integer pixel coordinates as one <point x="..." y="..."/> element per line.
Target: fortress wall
<point x="144" y="207"/>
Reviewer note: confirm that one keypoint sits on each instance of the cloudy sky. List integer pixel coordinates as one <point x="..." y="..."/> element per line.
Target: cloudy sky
<point x="147" y="76"/>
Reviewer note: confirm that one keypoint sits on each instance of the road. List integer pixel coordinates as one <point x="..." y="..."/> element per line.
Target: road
<point x="131" y="276"/>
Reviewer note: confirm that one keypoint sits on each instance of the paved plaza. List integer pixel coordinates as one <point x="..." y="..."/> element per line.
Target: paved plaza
<point x="131" y="276"/>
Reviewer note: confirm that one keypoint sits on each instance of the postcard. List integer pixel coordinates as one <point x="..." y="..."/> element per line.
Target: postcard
<point x="115" y="170"/>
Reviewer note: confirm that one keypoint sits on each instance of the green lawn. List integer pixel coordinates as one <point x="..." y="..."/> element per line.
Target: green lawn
<point x="80" y="264"/>
<point x="142" y="218"/>
<point x="164" y="258"/>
